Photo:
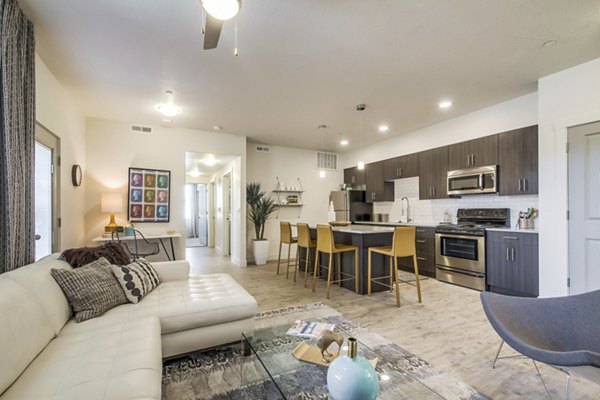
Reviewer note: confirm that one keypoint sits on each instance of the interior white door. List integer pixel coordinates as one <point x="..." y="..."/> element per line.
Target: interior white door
<point x="202" y="214"/>
<point x="47" y="192"/>
<point x="584" y="207"/>
<point x="226" y="214"/>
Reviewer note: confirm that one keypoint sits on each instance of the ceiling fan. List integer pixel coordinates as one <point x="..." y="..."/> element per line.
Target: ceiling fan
<point x="217" y="12"/>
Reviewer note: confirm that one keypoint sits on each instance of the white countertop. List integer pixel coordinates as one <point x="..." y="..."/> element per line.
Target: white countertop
<point x="363" y="229"/>
<point x="392" y="223"/>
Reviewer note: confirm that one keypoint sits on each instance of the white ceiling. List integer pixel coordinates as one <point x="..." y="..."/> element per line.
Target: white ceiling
<point x="194" y="163"/>
<point x="305" y="63"/>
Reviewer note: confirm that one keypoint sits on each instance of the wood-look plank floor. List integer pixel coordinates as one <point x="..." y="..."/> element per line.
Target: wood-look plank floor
<point x="448" y="329"/>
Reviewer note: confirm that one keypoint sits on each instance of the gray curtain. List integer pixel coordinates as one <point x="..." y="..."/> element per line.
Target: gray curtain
<point x="17" y="137"/>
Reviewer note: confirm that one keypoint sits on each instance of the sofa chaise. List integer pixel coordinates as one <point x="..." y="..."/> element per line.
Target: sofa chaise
<point x="45" y="354"/>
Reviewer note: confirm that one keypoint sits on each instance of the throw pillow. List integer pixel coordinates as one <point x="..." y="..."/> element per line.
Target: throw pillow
<point x="91" y="290"/>
<point x="113" y="252"/>
<point x="137" y="279"/>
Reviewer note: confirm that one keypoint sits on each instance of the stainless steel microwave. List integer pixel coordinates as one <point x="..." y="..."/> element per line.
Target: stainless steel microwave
<point x="473" y="180"/>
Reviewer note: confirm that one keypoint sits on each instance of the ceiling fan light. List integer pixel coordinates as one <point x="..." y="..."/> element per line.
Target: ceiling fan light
<point x="221" y="9"/>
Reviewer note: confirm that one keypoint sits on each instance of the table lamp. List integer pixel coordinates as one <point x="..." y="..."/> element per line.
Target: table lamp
<point x="112" y="203"/>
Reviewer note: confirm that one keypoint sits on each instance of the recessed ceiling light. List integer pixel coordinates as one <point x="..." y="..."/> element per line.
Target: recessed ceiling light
<point x="167" y="121"/>
<point x="445" y="104"/>
<point x="217" y="128"/>
<point x="549" y="43"/>
<point x="194" y="174"/>
<point x="168" y="110"/>
<point x="209" y="161"/>
<point x="383" y="128"/>
<point x="344" y="142"/>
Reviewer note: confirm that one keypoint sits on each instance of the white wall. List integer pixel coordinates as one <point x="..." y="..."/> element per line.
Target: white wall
<point x="111" y="149"/>
<point x="56" y="111"/>
<point x="289" y="164"/>
<point x="512" y="114"/>
<point x="568" y="98"/>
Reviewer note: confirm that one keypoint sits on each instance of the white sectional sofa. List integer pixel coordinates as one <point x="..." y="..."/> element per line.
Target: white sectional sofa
<point x="45" y="354"/>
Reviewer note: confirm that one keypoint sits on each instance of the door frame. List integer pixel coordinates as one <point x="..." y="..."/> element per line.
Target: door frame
<point x="45" y="137"/>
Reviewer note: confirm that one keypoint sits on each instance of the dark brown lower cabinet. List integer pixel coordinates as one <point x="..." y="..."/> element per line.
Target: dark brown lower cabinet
<point x="512" y="263"/>
<point x="425" y="253"/>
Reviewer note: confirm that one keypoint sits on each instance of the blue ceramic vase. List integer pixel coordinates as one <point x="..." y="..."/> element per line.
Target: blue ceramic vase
<point x="352" y="377"/>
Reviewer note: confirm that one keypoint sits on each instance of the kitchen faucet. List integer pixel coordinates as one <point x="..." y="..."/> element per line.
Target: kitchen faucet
<point x="407" y="208"/>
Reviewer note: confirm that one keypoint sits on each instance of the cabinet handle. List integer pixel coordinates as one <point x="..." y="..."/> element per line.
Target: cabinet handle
<point x="421" y="241"/>
<point x="400" y="174"/>
<point x="421" y="259"/>
<point x="397" y="171"/>
<point x="511" y="237"/>
<point x="420" y="230"/>
<point x="520" y="184"/>
<point x="507" y="254"/>
<point x="468" y="160"/>
<point x="353" y="179"/>
<point x="434" y="191"/>
<point x="512" y="255"/>
<point x="524" y="185"/>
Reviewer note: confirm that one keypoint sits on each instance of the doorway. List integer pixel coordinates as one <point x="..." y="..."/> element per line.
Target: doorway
<point x="196" y="215"/>
<point x="227" y="214"/>
<point x="584" y="207"/>
<point x="47" y="192"/>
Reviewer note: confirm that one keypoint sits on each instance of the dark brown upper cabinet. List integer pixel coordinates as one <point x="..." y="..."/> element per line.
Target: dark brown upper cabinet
<point x="377" y="188"/>
<point x="473" y="153"/>
<point x="401" y="167"/>
<point x="354" y="176"/>
<point x="433" y="173"/>
<point x="518" y="161"/>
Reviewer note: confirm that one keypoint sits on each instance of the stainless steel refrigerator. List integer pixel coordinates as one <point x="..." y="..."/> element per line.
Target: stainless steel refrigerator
<point x="350" y="205"/>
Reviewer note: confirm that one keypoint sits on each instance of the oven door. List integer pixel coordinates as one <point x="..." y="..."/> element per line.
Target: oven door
<point x="460" y="251"/>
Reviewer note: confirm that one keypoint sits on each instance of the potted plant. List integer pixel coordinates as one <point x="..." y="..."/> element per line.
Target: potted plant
<point x="261" y="208"/>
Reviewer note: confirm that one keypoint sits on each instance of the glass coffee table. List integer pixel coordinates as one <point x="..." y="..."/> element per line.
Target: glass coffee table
<point x="267" y="355"/>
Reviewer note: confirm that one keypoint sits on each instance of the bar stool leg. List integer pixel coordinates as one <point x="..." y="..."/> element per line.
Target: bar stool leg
<point x="369" y="273"/>
<point x="329" y="273"/>
<point x="356" y="270"/>
<point x="287" y="270"/>
<point x="317" y="267"/>
<point x="338" y="257"/>
<point x="297" y="266"/>
<point x="279" y="258"/>
<point x="391" y="273"/>
<point x="397" y="285"/>
<point x="306" y="265"/>
<point x="417" y="277"/>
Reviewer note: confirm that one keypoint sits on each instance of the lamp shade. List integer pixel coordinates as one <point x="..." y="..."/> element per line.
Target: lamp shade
<point x="111" y="202"/>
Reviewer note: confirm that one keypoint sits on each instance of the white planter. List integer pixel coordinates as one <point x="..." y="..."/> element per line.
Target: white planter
<point x="261" y="251"/>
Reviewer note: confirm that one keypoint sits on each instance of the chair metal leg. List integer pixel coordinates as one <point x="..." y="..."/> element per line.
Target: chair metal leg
<point x="287" y="269"/>
<point x="338" y="257"/>
<point x="356" y="270"/>
<point x="497" y="354"/>
<point x="418" y="282"/>
<point x="370" y="254"/>
<point x="329" y="273"/>
<point x="317" y="268"/>
<point x="397" y="283"/>
<point x="391" y="273"/>
<point x="567" y="383"/>
<point x="279" y="258"/>
<point x="541" y="379"/>
<point x="306" y="265"/>
<point x="297" y="262"/>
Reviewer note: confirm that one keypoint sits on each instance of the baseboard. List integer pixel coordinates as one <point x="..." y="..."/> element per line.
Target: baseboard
<point x="239" y="262"/>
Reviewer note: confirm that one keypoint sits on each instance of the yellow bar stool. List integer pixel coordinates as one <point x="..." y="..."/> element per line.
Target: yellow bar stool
<point x="326" y="244"/>
<point x="285" y="237"/>
<point x="403" y="245"/>
<point x="304" y="242"/>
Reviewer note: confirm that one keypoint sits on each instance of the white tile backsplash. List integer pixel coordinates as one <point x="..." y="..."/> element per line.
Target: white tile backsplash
<point x="429" y="212"/>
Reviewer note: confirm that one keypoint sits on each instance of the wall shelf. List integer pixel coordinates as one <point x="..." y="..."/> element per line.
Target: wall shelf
<point x="282" y="193"/>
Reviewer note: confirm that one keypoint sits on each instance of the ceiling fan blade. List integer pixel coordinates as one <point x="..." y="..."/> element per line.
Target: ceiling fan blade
<point x="212" y="32"/>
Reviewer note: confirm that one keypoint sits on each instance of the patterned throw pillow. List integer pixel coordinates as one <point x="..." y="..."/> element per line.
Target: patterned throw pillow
<point x="91" y="290"/>
<point x="137" y="279"/>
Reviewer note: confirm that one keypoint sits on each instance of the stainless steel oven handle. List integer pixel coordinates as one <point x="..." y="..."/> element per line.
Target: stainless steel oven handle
<point x="459" y="236"/>
<point x="475" y="274"/>
<point x="481" y="181"/>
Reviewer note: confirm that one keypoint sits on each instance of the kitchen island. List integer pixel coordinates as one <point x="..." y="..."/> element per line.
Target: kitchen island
<point x="363" y="237"/>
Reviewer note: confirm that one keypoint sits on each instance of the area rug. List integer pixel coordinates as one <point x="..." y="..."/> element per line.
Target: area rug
<point x="216" y="374"/>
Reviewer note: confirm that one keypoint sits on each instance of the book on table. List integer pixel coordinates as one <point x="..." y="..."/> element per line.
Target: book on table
<point x="309" y="329"/>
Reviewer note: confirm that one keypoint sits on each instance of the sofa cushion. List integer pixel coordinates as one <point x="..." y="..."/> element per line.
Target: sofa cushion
<point x="118" y="362"/>
<point x="136" y="279"/>
<point x="24" y="330"/>
<point x="44" y="289"/>
<point x="181" y="305"/>
<point x="91" y="289"/>
<point x="113" y="252"/>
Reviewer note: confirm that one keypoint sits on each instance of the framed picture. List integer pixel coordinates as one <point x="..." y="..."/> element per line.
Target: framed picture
<point x="149" y="195"/>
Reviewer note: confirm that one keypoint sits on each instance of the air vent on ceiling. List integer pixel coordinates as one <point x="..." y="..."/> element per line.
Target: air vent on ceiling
<point x="145" y="130"/>
<point x="326" y="161"/>
<point x="263" y="149"/>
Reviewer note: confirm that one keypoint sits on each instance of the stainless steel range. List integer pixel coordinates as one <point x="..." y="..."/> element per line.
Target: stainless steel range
<point x="460" y="248"/>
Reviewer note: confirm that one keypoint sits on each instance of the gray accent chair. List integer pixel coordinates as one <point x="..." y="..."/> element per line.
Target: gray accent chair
<point x="563" y="332"/>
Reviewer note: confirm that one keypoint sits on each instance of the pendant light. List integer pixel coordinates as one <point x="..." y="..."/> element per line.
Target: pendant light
<point x="361" y="164"/>
<point x="322" y="129"/>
